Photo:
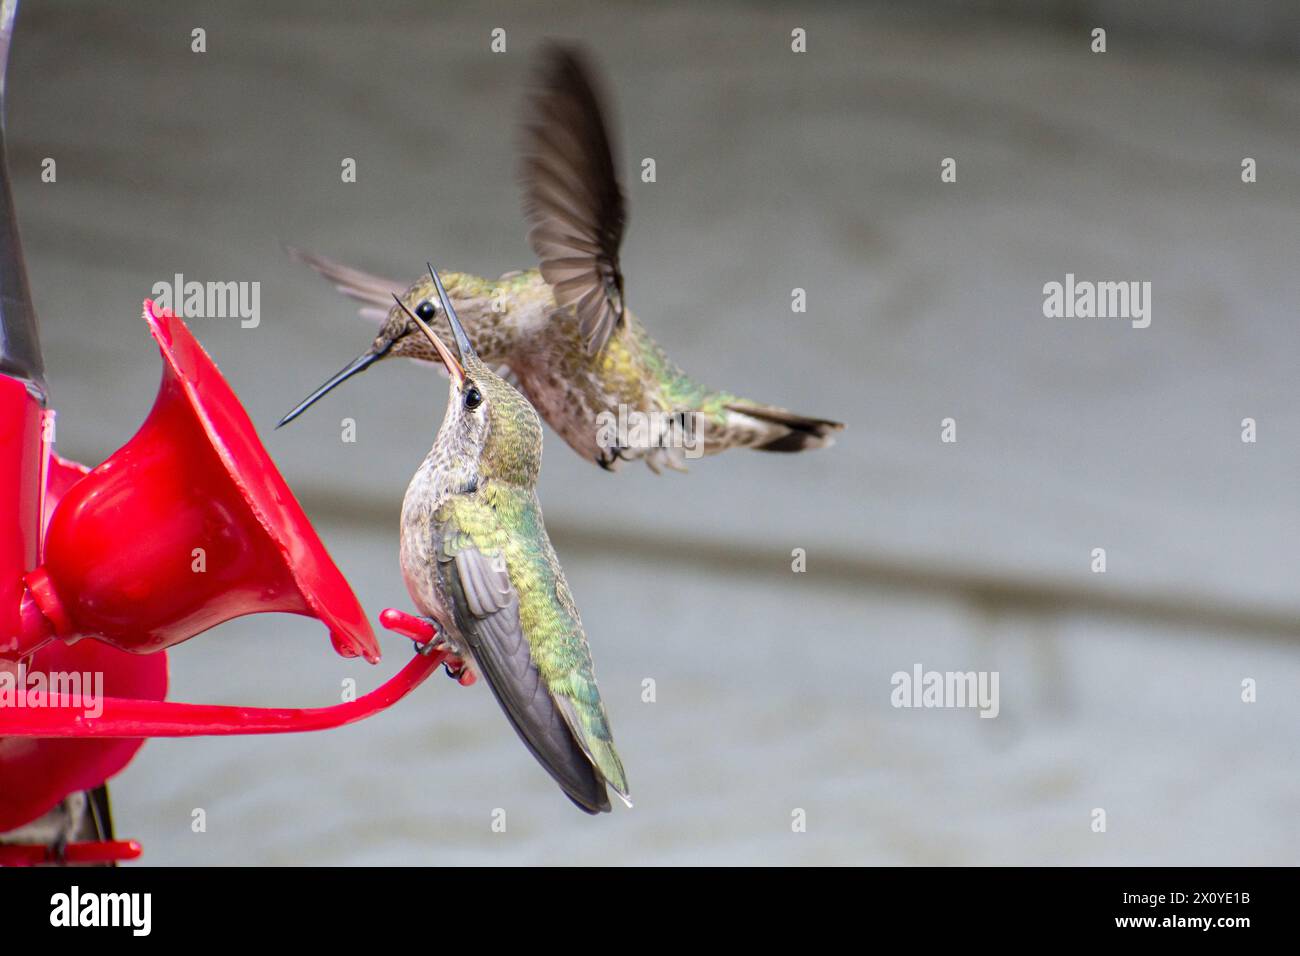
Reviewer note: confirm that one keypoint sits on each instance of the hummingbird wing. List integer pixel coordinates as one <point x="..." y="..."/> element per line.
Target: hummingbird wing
<point x="375" y="293"/>
<point x="572" y="196"/>
<point x="487" y="614"/>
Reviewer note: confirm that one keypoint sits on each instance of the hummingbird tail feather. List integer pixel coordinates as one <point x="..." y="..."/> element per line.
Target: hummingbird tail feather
<point x="783" y="430"/>
<point x="373" y="292"/>
<point x="596" y="744"/>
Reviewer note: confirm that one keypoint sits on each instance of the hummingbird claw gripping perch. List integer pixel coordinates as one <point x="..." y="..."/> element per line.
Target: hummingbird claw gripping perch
<point x="460" y="673"/>
<point x="423" y="632"/>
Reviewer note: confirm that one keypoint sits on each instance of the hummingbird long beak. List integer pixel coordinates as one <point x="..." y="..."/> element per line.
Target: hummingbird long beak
<point x="462" y="340"/>
<point x="454" y="368"/>
<point x="358" y="364"/>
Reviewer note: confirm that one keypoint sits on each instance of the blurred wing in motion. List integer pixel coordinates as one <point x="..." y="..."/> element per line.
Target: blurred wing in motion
<point x="572" y="196"/>
<point x="373" y="292"/>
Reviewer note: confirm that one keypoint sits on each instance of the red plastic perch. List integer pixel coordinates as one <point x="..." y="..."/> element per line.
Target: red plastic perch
<point x="126" y="717"/>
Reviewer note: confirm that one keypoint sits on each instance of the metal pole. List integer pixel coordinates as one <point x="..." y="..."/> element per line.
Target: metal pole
<point x="20" y="348"/>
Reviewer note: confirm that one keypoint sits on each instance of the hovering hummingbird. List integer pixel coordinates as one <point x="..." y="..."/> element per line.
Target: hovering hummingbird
<point x="477" y="560"/>
<point x="562" y="332"/>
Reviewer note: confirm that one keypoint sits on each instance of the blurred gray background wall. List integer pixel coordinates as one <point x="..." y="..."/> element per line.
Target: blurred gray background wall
<point x="776" y="170"/>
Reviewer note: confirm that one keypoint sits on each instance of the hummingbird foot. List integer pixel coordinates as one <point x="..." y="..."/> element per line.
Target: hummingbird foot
<point x="458" y="669"/>
<point x="610" y="458"/>
<point x="427" y="638"/>
<point x="455" y="668"/>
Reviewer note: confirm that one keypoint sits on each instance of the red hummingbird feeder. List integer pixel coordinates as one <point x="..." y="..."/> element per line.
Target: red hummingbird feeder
<point x="186" y="526"/>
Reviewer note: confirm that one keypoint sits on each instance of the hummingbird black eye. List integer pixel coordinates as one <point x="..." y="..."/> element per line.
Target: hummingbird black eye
<point x="425" y="310"/>
<point x="473" y="398"/>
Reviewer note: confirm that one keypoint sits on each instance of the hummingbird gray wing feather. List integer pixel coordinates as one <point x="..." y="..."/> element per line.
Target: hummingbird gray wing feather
<point x="375" y="293"/>
<point x="487" y="614"/>
<point x="572" y="196"/>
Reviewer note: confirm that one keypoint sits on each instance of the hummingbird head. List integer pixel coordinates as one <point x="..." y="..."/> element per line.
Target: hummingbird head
<point x="399" y="336"/>
<point x="489" y="427"/>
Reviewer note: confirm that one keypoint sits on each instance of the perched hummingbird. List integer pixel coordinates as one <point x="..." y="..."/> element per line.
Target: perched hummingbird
<point x="477" y="560"/>
<point x="561" y="332"/>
